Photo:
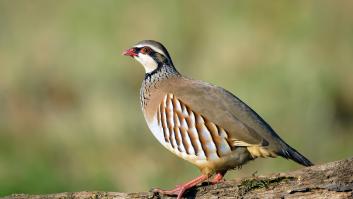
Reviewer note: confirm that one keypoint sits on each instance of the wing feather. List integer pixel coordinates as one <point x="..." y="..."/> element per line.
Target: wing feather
<point x="245" y="126"/>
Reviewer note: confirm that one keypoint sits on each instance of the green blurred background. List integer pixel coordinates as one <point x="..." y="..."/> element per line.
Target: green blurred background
<point x="70" y="117"/>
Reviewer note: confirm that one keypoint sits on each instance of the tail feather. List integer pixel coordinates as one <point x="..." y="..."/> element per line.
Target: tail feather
<point x="290" y="153"/>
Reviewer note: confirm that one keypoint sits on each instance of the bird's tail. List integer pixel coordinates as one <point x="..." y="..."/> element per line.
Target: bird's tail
<point x="289" y="153"/>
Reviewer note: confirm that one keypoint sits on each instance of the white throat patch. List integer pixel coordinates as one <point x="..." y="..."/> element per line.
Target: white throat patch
<point x="148" y="62"/>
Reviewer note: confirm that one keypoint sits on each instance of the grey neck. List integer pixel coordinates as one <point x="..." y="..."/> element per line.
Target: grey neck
<point x="162" y="69"/>
<point x="152" y="79"/>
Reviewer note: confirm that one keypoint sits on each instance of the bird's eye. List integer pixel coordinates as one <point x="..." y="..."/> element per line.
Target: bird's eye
<point x="145" y="50"/>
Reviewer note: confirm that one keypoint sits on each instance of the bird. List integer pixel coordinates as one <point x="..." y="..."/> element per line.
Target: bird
<point x="202" y="123"/>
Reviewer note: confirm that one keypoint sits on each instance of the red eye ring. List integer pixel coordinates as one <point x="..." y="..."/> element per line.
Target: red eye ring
<point x="145" y="50"/>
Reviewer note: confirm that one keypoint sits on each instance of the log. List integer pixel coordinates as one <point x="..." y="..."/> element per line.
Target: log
<point x="330" y="180"/>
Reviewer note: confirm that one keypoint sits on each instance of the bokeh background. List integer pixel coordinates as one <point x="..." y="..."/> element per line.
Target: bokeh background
<point x="70" y="116"/>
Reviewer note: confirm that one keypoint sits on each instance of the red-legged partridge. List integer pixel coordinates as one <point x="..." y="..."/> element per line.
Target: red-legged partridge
<point x="200" y="122"/>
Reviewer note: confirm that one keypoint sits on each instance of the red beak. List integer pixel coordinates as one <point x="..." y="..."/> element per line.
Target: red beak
<point x="130" y="52"/>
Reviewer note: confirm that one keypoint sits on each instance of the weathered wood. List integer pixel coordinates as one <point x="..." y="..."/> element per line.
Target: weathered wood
<point x="331" y="180"/>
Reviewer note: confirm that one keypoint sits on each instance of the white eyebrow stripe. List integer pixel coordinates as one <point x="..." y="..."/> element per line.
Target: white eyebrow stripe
<point x="153" y="48"/>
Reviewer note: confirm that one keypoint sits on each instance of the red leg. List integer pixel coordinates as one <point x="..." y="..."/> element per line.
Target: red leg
<point x="218" y="177"/>
<point x="180" y="189"/>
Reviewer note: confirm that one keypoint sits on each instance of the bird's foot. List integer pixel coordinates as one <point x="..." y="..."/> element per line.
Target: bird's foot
<point x="218" y="178"/>
<point x="180" y="189"/>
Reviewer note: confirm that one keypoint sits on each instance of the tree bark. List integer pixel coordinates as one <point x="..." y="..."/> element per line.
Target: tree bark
<point x="331" y="180"/>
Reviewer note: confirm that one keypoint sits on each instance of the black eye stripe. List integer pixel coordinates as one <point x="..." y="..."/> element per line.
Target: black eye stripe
<point x="145" y="50"/>
<point x="156" y="55"/>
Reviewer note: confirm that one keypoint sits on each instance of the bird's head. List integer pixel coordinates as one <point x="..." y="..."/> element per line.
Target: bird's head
<point x="151" y="54"/>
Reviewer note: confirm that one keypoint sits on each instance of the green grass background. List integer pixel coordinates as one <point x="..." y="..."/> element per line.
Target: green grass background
<point x="70" y="117"/>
